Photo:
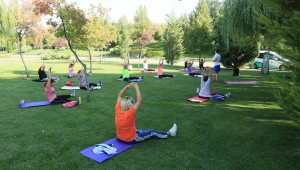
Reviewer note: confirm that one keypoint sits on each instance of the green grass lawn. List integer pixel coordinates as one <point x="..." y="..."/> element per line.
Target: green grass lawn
<point x="247" y="131"/>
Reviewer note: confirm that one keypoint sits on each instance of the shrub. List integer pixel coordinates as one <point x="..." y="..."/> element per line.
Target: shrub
<point x="53" y="56"/>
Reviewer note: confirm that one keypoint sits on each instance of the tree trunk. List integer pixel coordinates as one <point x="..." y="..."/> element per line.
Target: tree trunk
<point x="21" y="54"/>
<point x="236" y="71"/>
<point x="90" y="73"/>
<point x="88" y="92"/>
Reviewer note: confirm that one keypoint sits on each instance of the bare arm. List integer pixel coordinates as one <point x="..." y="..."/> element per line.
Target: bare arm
<point x="49" y="78"/>
<point x="121" y="93"/>
<point x="210" y="72"/>
<point x="138" y="96"/>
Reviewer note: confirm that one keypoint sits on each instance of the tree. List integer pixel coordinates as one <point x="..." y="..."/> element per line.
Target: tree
<point x="7" y="24"/>
<point x="237" y="33"/>
<point x="280" y="28"/>
<point x="26" y="21"/>
<point x="144" y="40"/>
<point x="70" y="24"/>
<point x="199" y="35"/>
<point x="99" y="32"/>
<point x="173" y="40"/>
<point x="141" y="21"/>
<point x="124" y="38"/>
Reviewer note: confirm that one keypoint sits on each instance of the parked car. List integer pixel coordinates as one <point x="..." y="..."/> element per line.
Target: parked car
<point x="275" y="60"/>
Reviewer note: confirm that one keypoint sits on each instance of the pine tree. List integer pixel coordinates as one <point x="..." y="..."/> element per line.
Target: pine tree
<point x="281" y="20"/>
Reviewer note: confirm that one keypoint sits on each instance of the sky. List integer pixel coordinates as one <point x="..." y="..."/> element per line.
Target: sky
<point x="156" y="9"/>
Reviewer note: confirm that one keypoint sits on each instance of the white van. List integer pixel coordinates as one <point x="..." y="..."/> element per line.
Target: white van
<point x="275" y="60"/>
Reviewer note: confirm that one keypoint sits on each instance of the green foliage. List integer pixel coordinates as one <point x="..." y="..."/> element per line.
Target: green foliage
<point x="237" y="55"/>
<point x="124" y="38"/>
<point x="173" y="40"/>
<point x="237" y="33"/>
<point x="141" y="21"/>
<point x="199" y="32"/>
<point x="154" y="54"/>
<point x="54" y="56"/>
<point x="280" y="26"/>
<point x="10" y="46"/>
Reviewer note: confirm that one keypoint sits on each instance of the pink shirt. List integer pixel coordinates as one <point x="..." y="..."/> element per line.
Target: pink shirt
<point x="159" y="71"/>
<point x="50" y="93"/>
<point x="71" y="72"/>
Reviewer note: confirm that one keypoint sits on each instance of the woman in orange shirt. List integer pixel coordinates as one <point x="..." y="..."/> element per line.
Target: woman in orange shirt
<point x="125" y="114"/>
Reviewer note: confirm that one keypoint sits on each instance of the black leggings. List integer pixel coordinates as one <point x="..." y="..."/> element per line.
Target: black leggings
<point x="194" y="74"/>
<point x="164" y="75"/>
<point x="90" y="84"/>
<point x="61" y="99"/>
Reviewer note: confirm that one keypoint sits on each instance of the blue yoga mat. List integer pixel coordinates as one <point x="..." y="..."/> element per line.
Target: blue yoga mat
<point x="121" y="146"/>
<point x="34" y="104"/>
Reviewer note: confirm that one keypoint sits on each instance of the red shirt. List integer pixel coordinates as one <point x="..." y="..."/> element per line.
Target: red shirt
<point x="125" y="123"/>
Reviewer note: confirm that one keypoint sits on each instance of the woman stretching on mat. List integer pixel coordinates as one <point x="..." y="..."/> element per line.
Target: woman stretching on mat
<point x="160" y="71"/>
<point x="43" y="75"/>
<point x="71" y="71"/>
<point x="82" y="81"/>
<point x="190" y="69"/>
<point x="50" y="92"/>
<point x="126" y="110"/>
<point x="126" y="76"/>
<point x="205" y="86"/>
<point x="145" y="65"/>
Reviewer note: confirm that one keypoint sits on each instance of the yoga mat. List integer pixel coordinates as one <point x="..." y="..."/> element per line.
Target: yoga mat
<point x="70" y="88"/>
<point x="133" y="80"/>
<point x="197" y="99"/>
<point x="77" y="88"/>
<point x="88" y="152"/>
<point x="192" y="76"/>
<point x="241" y="82"/>
<point x="34" y="104"/>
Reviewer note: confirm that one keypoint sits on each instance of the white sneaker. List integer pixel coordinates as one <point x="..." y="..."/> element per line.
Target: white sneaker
<point x="197" y="90"/>
<point x="227" y="95"/>
<point x="79" y="100"/>
<point x="173" y="130"/>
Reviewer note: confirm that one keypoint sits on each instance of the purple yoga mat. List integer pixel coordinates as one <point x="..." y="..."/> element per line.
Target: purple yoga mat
<point x="121" y="146"/>
<point x="34" y="104"/>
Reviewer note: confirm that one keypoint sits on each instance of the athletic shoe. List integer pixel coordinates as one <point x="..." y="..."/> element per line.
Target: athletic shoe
<point x="73" y="93"/>
<point x="173" y="130"/>
<point x="142" y="77"/>
<point x="100" y="83"/>
<point x="79" y="100"/>
<point x="174" y="75"/>
<point x="197" y="90"/>
<point x="227" y="95"/>
<point x="57" y="79"/>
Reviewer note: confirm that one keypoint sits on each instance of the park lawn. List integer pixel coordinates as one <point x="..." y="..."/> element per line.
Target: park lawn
<point x="247" y="131"/>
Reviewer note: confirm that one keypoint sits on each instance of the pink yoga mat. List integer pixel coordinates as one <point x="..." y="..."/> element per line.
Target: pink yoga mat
<point x="240" y="82"/>
<point x="197" y="99"/>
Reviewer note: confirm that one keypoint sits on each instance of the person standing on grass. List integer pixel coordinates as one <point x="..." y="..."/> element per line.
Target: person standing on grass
<point x="217" y="65"/>
<point x="125" y="117"/>
<point x="50" y="92"/>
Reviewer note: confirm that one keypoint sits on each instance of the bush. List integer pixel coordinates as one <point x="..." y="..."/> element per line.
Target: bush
<point x="155" y="54"/>
<point x="53" y="56"/>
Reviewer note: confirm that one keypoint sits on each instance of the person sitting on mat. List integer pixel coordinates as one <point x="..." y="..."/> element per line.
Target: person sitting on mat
<point x="71" y="71"/>
<point x="145" y="65"/>
<point x="190" y="69"/>
<point x="160" y="71"/>
<point x="201" y="63"/>
<point x="43" y="75"/>
<point x="50" y="92"/>
<point x="82" y="81"/>
<point x="205" y="86"/>
<point x="126" y="76"/>
<point x="125" y="117"/>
